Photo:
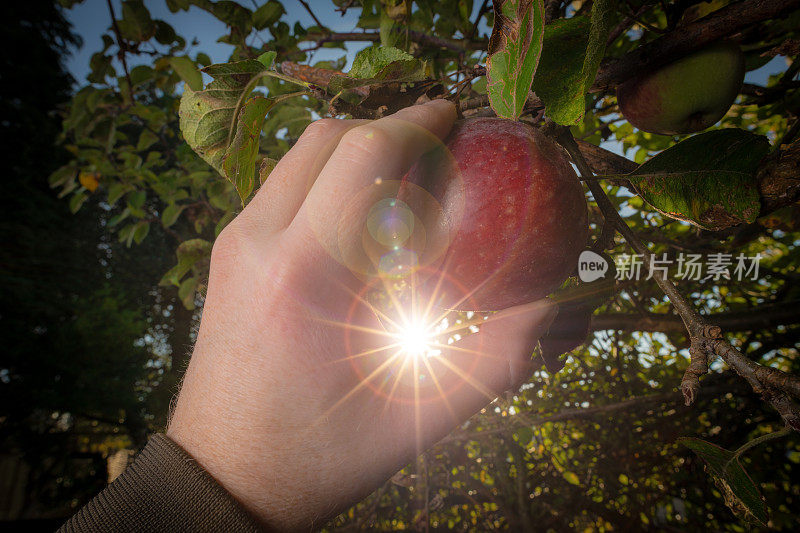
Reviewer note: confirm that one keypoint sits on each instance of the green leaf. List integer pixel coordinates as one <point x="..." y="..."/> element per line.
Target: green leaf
<point x="100" y="66"/>
<point x="726" y="468"/>
<point x="115" y="192"/>
<point x="268" y="14"/>
<point x="186" y="292"/>
<point x="136" y="199"/>
<point x="141" y="231"/>
<point x="165" y="34"/>
<point x="369" y="62"/>
<point x="171" y="214"/>
<point x="387" y="25"/>
<point x="188" y="72"/>
<point x="234" y="15"/>
<point x="136" y="24"/>
<point x="265" y="168"/>
<point x="557" y="80"/>
<point x="126" y="234"/>
<point x="177" y="5"/>
<point x="571" y="55"/>
<point x="189" y="253"/>
<point x="514" y="50"/>
<point x="76" y="201"/>
<point x="116" y="219"/>
<point x="207" y="118"/>
<point x="141" y="73"/>
<point x="379" y="64"/>
<point x="524" y="435"/>
<point x="146" y="139"/>
<point x="223" y="221"/>
<point x="239" y="163"/>
<point x="707" y="180"/>
<point x="62" y="175"/>
<point x="267" y="58"/>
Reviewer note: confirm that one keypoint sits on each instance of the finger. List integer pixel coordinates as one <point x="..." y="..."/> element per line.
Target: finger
<point x="431" y="395"/>
<point x="277" y="201"/>
<point x="366" y="158"/>
<point x="498" y="358"/>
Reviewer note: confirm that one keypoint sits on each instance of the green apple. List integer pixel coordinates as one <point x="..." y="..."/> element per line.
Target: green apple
<point x="687" y="95"/>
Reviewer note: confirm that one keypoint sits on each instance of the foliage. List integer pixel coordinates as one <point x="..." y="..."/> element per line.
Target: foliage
<point x="572" y="52"/>
<point x="86" y="331"/>
<point x="514" y="51"/>
<point x="706" y="176"/>
<point x="592" y="447"/>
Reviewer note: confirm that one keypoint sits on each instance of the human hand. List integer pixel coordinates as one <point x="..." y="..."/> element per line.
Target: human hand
<point x="300" y="398"/>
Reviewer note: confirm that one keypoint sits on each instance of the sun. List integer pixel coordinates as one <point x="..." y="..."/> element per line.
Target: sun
<point x="415" y="339"/>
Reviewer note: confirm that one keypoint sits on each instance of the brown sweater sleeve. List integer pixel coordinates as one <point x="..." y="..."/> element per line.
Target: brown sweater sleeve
<point x="163" y="490"/>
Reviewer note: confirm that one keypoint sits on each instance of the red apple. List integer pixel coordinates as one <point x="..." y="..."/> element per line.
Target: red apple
<point x="515" y="210"/>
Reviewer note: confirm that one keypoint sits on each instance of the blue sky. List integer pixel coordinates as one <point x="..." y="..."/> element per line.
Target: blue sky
<point x="91" y="19"/>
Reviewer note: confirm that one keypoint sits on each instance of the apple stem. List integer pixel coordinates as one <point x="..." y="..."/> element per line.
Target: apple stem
<point x="705" y="339"/>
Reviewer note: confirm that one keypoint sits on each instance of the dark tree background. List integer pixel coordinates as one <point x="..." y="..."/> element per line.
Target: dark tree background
<point x="78" y="378"/>
<point x="109" y="215"/>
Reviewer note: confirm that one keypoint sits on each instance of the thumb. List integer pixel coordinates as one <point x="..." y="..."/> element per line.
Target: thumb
<point x="506" y="341"/>
<point x="479" y="367"/>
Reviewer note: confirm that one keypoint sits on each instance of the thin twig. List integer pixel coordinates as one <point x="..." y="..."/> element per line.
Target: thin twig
<point x="481" y="11"/>
<point x="311" y="12"/>
<point x="759" y="440"/>
<point x="605" y="162"/>
<point x="476" y="102"/>
<point x="579" y="413"/>
<point x="636" y="18"/>
<point x="339" y="106"/>
<point x="417" y="36"/>
<point x="121" y="43"/>
<point x="624" y="25"/>
<point x="768" y="317"/>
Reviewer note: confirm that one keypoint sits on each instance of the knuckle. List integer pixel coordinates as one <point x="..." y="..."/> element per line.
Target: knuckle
<point x="366" y="138"/>
<point x="415" y="113"/>
<point x="320" y="128"/>
<point x="229" y="245"/>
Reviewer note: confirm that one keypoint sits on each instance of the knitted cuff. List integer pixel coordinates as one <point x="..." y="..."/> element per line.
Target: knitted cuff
<point x="163" y="490"/>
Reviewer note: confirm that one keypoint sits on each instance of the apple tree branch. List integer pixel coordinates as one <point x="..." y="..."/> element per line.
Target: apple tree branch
<point x="705" y="338"/>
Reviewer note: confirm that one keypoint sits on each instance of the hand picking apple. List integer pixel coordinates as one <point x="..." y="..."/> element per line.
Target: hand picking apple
<point x="300" y="398"/>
